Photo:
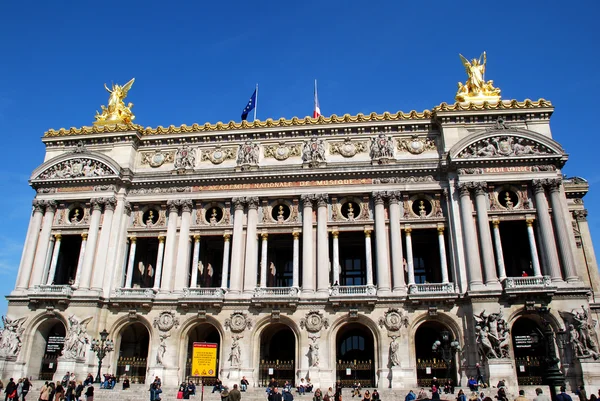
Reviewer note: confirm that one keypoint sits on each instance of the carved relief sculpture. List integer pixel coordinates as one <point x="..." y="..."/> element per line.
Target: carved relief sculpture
<point x="219" y="154"/>
<point x="166" y="321"/>
<point x="282" y="151"/>
<point x="248" y="154"/>
<point x="348" y="148"/>
<point x="314" y="321"/>
<point x="393" y="320"/>
<point x="10" y="336"/>
<point x="582" y="333"/>
<point x="382" y="148"/>
<point x="77" y="339"/>
<point x="492" y="335"/>
<point x="416" y="145"/>
<point x="157" y="158"/>
<point x="238" y="322"/>
<point x="77" y="168"/>
<point x="185" y="158"/>
<point x="503" y="146"/>
<point x="162" y="349"/>
<point x="313" y="152"/>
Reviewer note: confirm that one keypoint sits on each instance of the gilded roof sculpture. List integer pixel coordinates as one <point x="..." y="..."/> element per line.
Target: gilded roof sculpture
<point x="476" y="88"/>
<point x="116" y="112"/>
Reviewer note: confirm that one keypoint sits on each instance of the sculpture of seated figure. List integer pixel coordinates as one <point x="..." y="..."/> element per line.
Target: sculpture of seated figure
<point x="280" y="216"/>
<point x="150" y="219"/>
<point x="213" y="217"/>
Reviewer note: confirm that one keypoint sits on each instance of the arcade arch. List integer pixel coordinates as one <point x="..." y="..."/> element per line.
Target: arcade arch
<point x="202" y="332"/>
<point x="133" y="348"/>
<point x="46" y="346"/>
<point x="355" y="350"/>
<point x="431" y="364"/>
<point x="277" y="354"/>
<point x="528" y="349"/>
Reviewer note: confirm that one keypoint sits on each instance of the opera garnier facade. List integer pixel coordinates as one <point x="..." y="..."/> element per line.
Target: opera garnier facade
<point x="384" y="248"/>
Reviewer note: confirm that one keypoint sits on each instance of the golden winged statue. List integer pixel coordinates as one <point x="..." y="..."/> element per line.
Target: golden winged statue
<point x="476" y="88"/>
<point x="116" y="112"/>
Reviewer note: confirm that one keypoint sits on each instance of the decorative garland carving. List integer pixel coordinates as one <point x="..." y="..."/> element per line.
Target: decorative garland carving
<point x="169" y="190"/>
<point x="393" y="320"/>
<point x="348" y="148"/>
<point x="238" y="322"/>
<point x="157" y="158"/>
<point x="314" y="321"/>
<point x="166" y="321"/>
<point x="77" y="168"/>
<point x="282" y="151"/>
<point x="219" y="154"/>
<point x="404" y="180"/>
<point x="416" y="145"/>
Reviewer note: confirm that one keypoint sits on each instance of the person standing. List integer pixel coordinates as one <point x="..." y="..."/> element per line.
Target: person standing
<point x="78" y="390"/>
<point x="11" y="388"/>
<point x="234" y="394"/>
<point x="45" y="392"/>
<point x="275" y="395"/>
<point x="540" y="395"/>
<point x="89" y="393"/>
<point x="563" y="396"/>
<point x="26" y="388"/>
<point x="521" y="396"/>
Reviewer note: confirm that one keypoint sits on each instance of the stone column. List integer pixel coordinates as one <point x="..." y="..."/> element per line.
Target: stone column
<point x="396" y="239"/>
<point x="182" y="268"/>
<point x="409" y="256"/>
<point x="130" y="260"/>
<point x="195" y="260"/>
<point x="263" y="259"/>
<point x="443" y="259"/>
<point x="485" y="236"/>
<point x="225" y="268"/>
<point x="296" y="260"/>
<point x="470" y="239"/>
<point x="562" y="231"/>
<point x="48" y="260"/>
<point x="55" y="252"/>
<point x="308" y="269"/>
<point x="322" y="246"/>
<point x="383" y="261"/>
<point x="170" y="243"/>
<point x="368" y="257"/>
<point x="90" y="250"/>
<point x="498" y="247"/>
<point x="250" y="268"/>
<point x="235" y="286"/>
<point x="84" y="237"/>
<point x="33" y="234"/>
<point x="159" y="263"/>
<point x="100" y="266"/>
<point x="535" y="261"/>
<point x="336" y="257"/>
<point x="41" y="251"/>
<point x="546" y="231"/>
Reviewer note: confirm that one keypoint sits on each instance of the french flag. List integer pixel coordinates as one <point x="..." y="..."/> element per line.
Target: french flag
<point x="317" y="109"/>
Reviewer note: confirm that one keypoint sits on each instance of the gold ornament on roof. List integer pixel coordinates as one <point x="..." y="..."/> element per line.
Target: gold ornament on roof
<point x="116" y="112"/>
<point x="476" y="89"/>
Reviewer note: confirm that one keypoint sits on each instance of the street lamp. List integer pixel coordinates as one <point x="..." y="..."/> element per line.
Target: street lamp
<point x="101" y="348"/>
<point x="446" y="348"/>
<point x="554" y="378"/>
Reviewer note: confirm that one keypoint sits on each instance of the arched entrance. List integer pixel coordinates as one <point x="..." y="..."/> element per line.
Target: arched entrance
<point x="355" y="355"/>
<point x="529" y="350"/>
<point x="277" y="354"/>
<point x="202" y="333"/>
<point x="430" y="363"/>
<point x="133" y="352"/>
<point x="48" y="341"/>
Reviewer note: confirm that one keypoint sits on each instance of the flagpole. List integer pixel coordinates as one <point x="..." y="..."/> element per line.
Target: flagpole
<point x="256" y="102"/>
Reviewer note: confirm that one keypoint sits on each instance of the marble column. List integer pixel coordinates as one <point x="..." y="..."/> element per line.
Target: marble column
<point x="182" y="267"/>
<point x="409" y="256"/>
<point x="383" y="262"/>
<point x="396" y="240"/>
<point x="237" y="251"/>
<point x="443" y="258"/>
<point x="159" y="263"/>
<point x="296" y="260"/>
<point x="100" y="266"/>
<point x="54" y="263"/>
<point x="308" y="269"/>
<point x="322" y="246"/>
<point x="369" y="257"/>
<point x="336" y="257"/>
<point x="498" y="247"/>
<point x="130" y="260"/>
<point x="195" y="260"/>
<point x="33" y="234"/>
<point x="84" y="237"/>
<point x="562" y="231"/>
<point x="90" y="250"/>
<point x="250" y="268"/>
<point x="546" y="232"/>
<point x="470" y="238"/>
<point x="225" y="268"/>
<point x="263" y="259"/>
<point x="535" y="261"/>
<point x="41" y="251"/>
<point x="485" y="236"/>
<point x="48" y="260"/>
<point x="170" y="244"/>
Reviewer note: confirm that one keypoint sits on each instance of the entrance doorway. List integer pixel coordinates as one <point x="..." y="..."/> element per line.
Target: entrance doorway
<point x="355" y="355"/>
<point x="202" y="333"/>
<point x="48" y="341"/>
<point x="133" y="352"/>
<point x="431" y="364"/>
<point x="277" y="354"/>
<point x="529" y="350"/>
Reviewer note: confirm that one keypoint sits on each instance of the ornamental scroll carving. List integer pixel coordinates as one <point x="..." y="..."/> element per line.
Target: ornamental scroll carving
<point x="282" y="151"/>
<point x="393" y="320"/>
<point x="348" y="148"/>
<point x="314" y="322"/>
<point x="77" y="168"/>
<point x="238" y="322"/>
<point x="504" y="146"/>
<point x="166" y="321"/>
<point x="219" y="154"/>
<point x="157" y="158"/>
<point x="416" y="145"/>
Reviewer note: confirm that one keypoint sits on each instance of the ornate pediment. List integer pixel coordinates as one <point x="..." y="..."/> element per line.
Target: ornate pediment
<point x="505" y="145"/>
<point x="78" y="168"/>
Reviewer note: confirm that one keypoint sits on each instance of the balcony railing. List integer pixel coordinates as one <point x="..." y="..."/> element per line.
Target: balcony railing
<point x="352" y="290"/>
<point x="276" y="292"/>
<point x="65" y="290"/>
<point x="134" y="292"/>
<point x="199" y="292"/>
<point x="432" y="288"/>
<point x="527" y="283"/>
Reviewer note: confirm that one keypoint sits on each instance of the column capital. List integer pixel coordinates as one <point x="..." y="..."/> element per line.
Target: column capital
<point x="480" y="187"/>
<point x="109" y="203"/>
<point x="227" y="237"/>
<point x="529" y="222"/>
<point x="495" y="222"/>
<point x="335" y="233"/>
<point x="307" y="199"/>
<point x="133" y="239"/>
<point x="368" y="233"/>
<point x="84" y="236"/>
<point x="161" y="239"/>
<point x="58" y="236"/>
<point x="173" y="205"/>
<point x="196" y="237"/>
<point x="186" y="205"/>
<point x="238" y="202"/>
<point x="407" y="230"/>
<point x="322" y="199"/>
<point x="96" y="203"/>
<point x="554" y="184"/>
<point x="394" y="196"/>
<point x="580" y="215"/>
<point x="39" y="205"/>
<point x="264" y="236"/>
<point x="538" y="185"/>
<point x="379" y="197"/>
<point x="296" y="235"/>
<point x="127" y="207"/>
<point x="51" y="206"/>
<point x="464" y="188"/>
<point x="252" y="202"/>
<point x="440" y="229"/>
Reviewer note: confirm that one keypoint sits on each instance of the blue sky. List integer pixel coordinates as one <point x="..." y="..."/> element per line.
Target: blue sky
<point x="199" y="61"/>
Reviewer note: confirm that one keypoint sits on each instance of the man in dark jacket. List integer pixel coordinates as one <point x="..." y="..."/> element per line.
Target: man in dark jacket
<point x="234" y="394"/>
<point x="275" y="395"/>
<point x="10" y="388"/>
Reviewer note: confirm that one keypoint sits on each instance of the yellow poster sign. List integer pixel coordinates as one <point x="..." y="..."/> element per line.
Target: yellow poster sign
<point x="204" y="359"/>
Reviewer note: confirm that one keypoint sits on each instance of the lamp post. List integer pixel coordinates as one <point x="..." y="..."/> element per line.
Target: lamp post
<point x="446" y="348"/>
<point x="554" y="378"/>
<point x="101" y="348"/>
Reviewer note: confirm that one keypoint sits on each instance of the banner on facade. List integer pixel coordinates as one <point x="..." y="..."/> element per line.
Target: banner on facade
<point x="204" y="359"/>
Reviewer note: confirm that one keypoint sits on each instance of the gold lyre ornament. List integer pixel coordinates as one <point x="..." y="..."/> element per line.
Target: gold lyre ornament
<point x="476" y="89"/>
<point x="116" y="112"/>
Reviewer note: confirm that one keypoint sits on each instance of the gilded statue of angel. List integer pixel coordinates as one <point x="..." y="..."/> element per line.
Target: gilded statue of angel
<point x="476" y="86"/>
<point x="116" y="111"/>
